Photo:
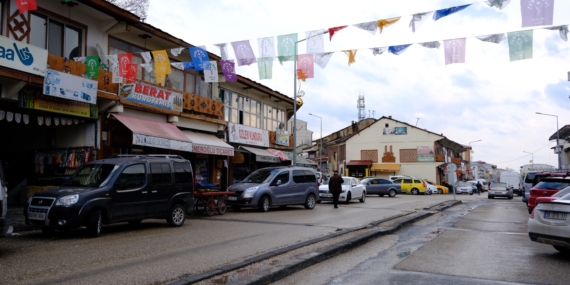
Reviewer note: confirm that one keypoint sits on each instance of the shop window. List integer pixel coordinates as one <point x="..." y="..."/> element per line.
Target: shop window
<point x="242" y="110"/>
<point x="299" y="176"/>
<point x="160" y="173"/>
<point x="133" y="176"/>
<point x="202" y="173"/>
<point x="182" y="173"/>
<point x="57" y="37"/>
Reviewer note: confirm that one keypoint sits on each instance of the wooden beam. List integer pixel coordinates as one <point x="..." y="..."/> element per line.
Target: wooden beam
<point x="205" y="119"/>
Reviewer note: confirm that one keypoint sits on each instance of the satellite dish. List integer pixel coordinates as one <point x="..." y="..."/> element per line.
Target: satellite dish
<point x="451" y="167"/>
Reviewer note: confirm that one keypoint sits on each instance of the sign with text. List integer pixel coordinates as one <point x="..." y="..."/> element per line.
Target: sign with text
<point x="144" y="140"/>
<point x="248" y="135"/>
<point x="67" y="86"/>
<point x="210" y="149"/>
<point x="425" y="154"/>
<point x="33" y="98"/>
<point x="152" y="96"/>
<point x="24" y="57"/>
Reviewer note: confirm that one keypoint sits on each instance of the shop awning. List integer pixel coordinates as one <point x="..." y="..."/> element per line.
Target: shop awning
<point x="359" y="163"/>
<point x="155" y="134"/>
<point x="299" y="160"/>
<point x="385" y="167"/>
<point x="209" y="144"/>
<point x="262" y="155"/>
<point x="280" y="154"/>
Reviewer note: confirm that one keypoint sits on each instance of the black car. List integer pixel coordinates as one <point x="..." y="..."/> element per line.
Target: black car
<point x="118" y="189"/>
<point x="381" y="187"/>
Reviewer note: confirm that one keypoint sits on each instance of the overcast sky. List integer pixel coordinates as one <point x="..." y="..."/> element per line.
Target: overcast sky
<point x="486" y="98"/>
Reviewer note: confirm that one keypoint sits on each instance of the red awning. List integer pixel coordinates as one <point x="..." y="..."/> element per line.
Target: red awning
<point x="359" y="163"/>
<point x="279" y="153"/>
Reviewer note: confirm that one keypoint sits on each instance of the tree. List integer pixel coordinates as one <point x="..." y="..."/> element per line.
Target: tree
<point x="137" y="7"/>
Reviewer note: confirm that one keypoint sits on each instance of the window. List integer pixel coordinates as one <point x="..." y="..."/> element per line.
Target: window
<point x="182" y="172"/>
<point x="409" y="181"/>
<point x="160" y="173"/>
<point x="133" y="176"/>
<point x="241" y="110"/>
<point x="283" y="176"/>
<point x="299" y="176"/>
<point x="310" y="176"/>
<point x="57" y="37"/>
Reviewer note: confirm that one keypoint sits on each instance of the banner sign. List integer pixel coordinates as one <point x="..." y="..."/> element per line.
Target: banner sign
<point x="248" y="135"/>
<point x="395" y="131"/>
<point x="32" y="98"/>
<point x="24" y="57"/>
<point x="425" y="154"/>
<point x="152" y="96"/>
<point x="210" y="149"/>
<point x="282" y="137"/>
<point x="145" y="140"/>
<point x="64" y="85"/>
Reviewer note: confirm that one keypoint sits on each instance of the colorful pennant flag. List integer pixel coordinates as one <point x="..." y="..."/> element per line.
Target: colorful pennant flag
<point x="266" y="47"/>
<point x="397" y="50"/>
<point x="147" y="67"/>
<point x="286" y="47"/>
<point x="211" y="75"/>
<point x="418" y="19"/>
<point x="435" y="44"/>
<point x="92" y="66"/>
<point x="188" y="65"/>
<point x="176" y="51"/>
<point x="265" y="67"/>
<point x="438" y="14"/>
<point x="537" y="12"/>
<point x="454" y="51"/>
<point x="301" y="75"/>
<point x="178" y="65"/>
<point x="26" y="5"/>
<point x="146" y="56"/>
<point x="333" y="31"/>
<point x="305" y="63"/>
<point x="378" y="50"/>
<point x="223" y="50"/>
<point x="228" y="68"/>
<point x="243" y="52"/>
<point x="351" y="56"/>
<point x="161" y="66"/>
<point x="131" y="76"/>
<point x="114" y="68"/>
<point x="496" y="38"/>
<point x="200" y="58"/>
<point x="323" y="59"/>
<point x="125" y="61"/>
<point x="563" y="31"/>
<point x="371" y="27"/>
<point x="386" y="22"/>
<point x="520" y="45"/>
<point x="500" y="4"/>
<point x="315" y="41"/>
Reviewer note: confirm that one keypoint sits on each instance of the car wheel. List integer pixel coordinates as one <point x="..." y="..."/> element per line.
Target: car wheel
<point x="348" y="197"/>
<point x="363" y="199"/>
<point x="263" y="205"/>
<point x="562" y="250"/>
<point x="236" y="208"/>
<point x="48" y="231"/>
<point x="471" y="193"/>
<point x="510" y="197"/>
<point x="439" y="191"/>
<point x="135" y="222"/>
<point x="176" y="216"/>
<point x="392" y="193"/>
<point x="310" y="202"/>
<point x="415" y="191"/>
<point x="94" y="223"/>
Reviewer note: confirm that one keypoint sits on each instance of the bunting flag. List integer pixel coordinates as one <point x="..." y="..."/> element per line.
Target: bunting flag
<point x="211" y="75"/>
<point x="315" y="41"/>
<point x="161" y="66"/>
<point x="537" y="12"/>
<point x="79" y="59"/>
<point x="147" y="67"/>
<point x="178" y="65"/>
<point x="454" y="51"/>
<point x="188" y="65"/>
<point x="92" y="66"/>
<point x="386" y="22"/>
<point x="397" y="50"/>
<point x="243" y="52"/>
<point x="131" y="76"/>
<point x="223" y="50"/>
<point x="322" y="59"/>
<point x="286" y="47"/>
<point x="563" y="31"/>
<point x="114" y="68"/>
<point x="498" y="3"/>
<point x="200" y="58"/>
<point x="496" y="38"/>
<point x="125" y="61"/>
<point x="435" y="44"/>
<point x="351" y="56"/>
<point x="146" y="56"/>
<point x="176" y="51"/>
<point x="438" y="14"/>
<point x="228" y="68"/>
<point x="378" y="50"/>
<point x="371" y="27"/>
<point x="266" y="47"/>
<point x="265" y="67"/>
<point x="306" y="65"/>
<point x="520" y="45"/>
<point x="332" y="31"/>
<point x="26" y="5"/>
<point x="418" y="19"/>
<point x="301" y="75"/>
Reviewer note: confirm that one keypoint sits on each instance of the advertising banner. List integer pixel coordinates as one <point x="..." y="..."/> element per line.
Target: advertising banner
<point x="248" y="135"/>
<point x="152" y="96"/>
<point x="67" y="86"/>
<point x="24" y="57"/>
<point x="282" y="137"/>
<point x="32" y="98"/>
<point x="425" y="154"/>
<point x="395" y="131"/>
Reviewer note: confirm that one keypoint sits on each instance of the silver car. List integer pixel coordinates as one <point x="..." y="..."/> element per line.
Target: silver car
<point x="500" y="189"/>
<point x="464" y="187"/>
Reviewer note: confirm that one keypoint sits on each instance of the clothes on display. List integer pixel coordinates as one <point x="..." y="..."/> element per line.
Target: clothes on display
<point x="67" y="158"/>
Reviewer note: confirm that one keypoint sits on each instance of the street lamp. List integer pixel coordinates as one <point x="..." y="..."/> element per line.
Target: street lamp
<point x="321" y="145"/>
<point x="557" y="138"/>
<point x="470" y="158"/>
<point x="532" y="153"/>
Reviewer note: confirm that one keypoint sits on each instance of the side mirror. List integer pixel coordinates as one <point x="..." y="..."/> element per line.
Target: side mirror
<point x="278" y="182"/>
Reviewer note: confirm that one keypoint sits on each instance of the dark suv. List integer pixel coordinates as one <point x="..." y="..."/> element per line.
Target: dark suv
<point x="118" y="189"/>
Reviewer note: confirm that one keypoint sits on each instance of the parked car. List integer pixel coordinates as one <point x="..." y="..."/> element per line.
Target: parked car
<point x="527" y="184"/>
<point x="413" y="186"/>
<point x="118" y="189"/>
<point x="351" y="189"/>
<point x="532" y="178"/>
<point x="484" y="183"/>
<point x="381" y="187"/>
<point x="513" y="179"/>
<point x="555" y="196"/>
<point x="474" y="186"/>
<point x="499" y="189"/>
<point x="430" y="188"/>
<point x="440" y="188"/>
<point x="4" y="226"/>
<point x="464" y="187"/>
<point x="276" y="186"/>
<point x="545" y="188"/>
<point x="548" y="223"/>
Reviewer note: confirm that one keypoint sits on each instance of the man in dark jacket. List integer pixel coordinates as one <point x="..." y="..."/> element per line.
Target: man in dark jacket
<point x="479" y="187"/>
<point x="335" y="187"/>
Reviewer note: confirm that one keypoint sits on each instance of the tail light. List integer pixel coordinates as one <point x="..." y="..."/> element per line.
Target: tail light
<point x="532" y="214"/>
<point x="424" y="184"/>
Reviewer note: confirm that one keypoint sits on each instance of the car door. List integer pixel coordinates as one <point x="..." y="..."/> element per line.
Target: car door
<point x="358" y="188"/>
<point x="282" y="188"/>
<point x="160" y="188"/>
<point x="130" y="193"/>
<point x="374" y="187"/>
<point x="384" y="186"/>
<point x="407" y="185"/>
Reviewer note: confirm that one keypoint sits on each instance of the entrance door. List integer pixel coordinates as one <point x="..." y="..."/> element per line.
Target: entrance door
<point x="283" y="192"/>
<point x="130" y="194"/>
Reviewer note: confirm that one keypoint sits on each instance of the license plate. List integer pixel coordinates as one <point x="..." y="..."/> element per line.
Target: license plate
<point x="326" y="195"/>
<point x="555" y="216"/>
<point x="36" y="216"/>
<point x="231" y="198"/>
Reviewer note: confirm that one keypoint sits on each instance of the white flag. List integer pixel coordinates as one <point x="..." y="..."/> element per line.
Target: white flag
<point x="371" y="27"/>
<point x="266" y="47"/>
<point x="315" y="41"/>
<point x="322" y="59"/>
<point x="378" y="50"/>
<point x="176" y="51"/>
<point x="114" y="66"/>
<point x="212" y="74"/>
<point x="146" y="56"/>
<point x="418" y="19"/>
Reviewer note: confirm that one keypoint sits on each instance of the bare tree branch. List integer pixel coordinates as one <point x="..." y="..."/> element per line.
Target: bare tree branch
<point x="137" y="7"/>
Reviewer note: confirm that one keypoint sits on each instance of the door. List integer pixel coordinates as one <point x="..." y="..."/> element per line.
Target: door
<point x="130" y="195"/>
<point x="160" y="188"/>
<point x="384" y="185"/>
<point x="282" y="188"/>
<point x="407" y="185"/>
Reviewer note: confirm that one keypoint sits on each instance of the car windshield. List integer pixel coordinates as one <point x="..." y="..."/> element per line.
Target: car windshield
<point x="464" y="184"/>
<point x="364" y="181"/>
<point x="562" y="192"/>
<point x="261" y="176"/>
<point x="346" y="181"/>
<point x="92" y="175"/>
<point x="552" y="185"/>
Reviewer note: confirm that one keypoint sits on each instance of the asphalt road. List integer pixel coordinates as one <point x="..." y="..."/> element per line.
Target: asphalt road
<point x="153" y="253"/>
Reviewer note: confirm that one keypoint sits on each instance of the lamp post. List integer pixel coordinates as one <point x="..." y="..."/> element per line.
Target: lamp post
<point x="557" y="138"/>
<point x="470" y="155"/>
<point x="321" y="144"/>
<point x="531" y="153"/>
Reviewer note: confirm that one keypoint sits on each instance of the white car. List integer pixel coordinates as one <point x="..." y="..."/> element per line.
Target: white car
<point x="549" y="223"/>
<point x="351" y="189"/>
<point x="431" y="189"/>
<point x="464" y="187"/>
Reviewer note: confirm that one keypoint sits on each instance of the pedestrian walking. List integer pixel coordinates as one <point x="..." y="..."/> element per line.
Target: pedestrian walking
<point x="479" y="188"/>
<point x="335" y="187"/>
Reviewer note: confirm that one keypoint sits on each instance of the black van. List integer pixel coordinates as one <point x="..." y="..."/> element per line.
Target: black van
<point x="119" y="189"/>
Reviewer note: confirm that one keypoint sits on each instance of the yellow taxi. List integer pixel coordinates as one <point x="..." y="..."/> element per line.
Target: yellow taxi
<point x="411" y="185"/>
<point x="442" y="189"/>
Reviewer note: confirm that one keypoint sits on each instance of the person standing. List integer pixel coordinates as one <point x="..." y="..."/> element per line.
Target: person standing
<point x="479" y="187"/>
<point x="335" y="187"/>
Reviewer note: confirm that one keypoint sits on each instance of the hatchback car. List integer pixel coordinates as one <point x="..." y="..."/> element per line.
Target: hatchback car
<point x="351" y="189"/>
<point x="549" y="224"/>
<point x="381" y="187"/>
<point x="440" y="188"/>
<point x="413" y="186"/>
<point x="499" y="189"/>
<point x="464" y="188"/>
<point x="555" y="196"/>
<point x="546" y="188"/>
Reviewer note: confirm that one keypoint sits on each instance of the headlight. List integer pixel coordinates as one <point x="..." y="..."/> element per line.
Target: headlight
<point x="67" y="200"/>
<point x="248" y="193"/>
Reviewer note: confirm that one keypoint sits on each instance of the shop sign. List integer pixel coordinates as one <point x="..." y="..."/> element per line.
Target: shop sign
<point x="151" y="95"/>
<point x="248" y="135"/>
<point x="68" y="86"/>
<point x="282" y="137"/>
<point x="24" y="57"/>
<point x="216" y="150"/>
<point x="151" y="141"/>
<point x="263" y="158"/>
<point x="33" y="99"/>
<point x="425" y="154"/>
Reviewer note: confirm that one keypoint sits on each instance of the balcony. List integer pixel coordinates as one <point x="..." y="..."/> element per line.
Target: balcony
<point x="456" y="161"/>
<point x="439" y="158"/>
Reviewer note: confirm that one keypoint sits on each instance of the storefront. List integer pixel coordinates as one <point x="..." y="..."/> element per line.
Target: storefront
<point x="358" y="168"/>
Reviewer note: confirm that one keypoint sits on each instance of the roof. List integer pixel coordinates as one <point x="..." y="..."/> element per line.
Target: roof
<point x="563" y="132"/>
<point x="359" y="163"/>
